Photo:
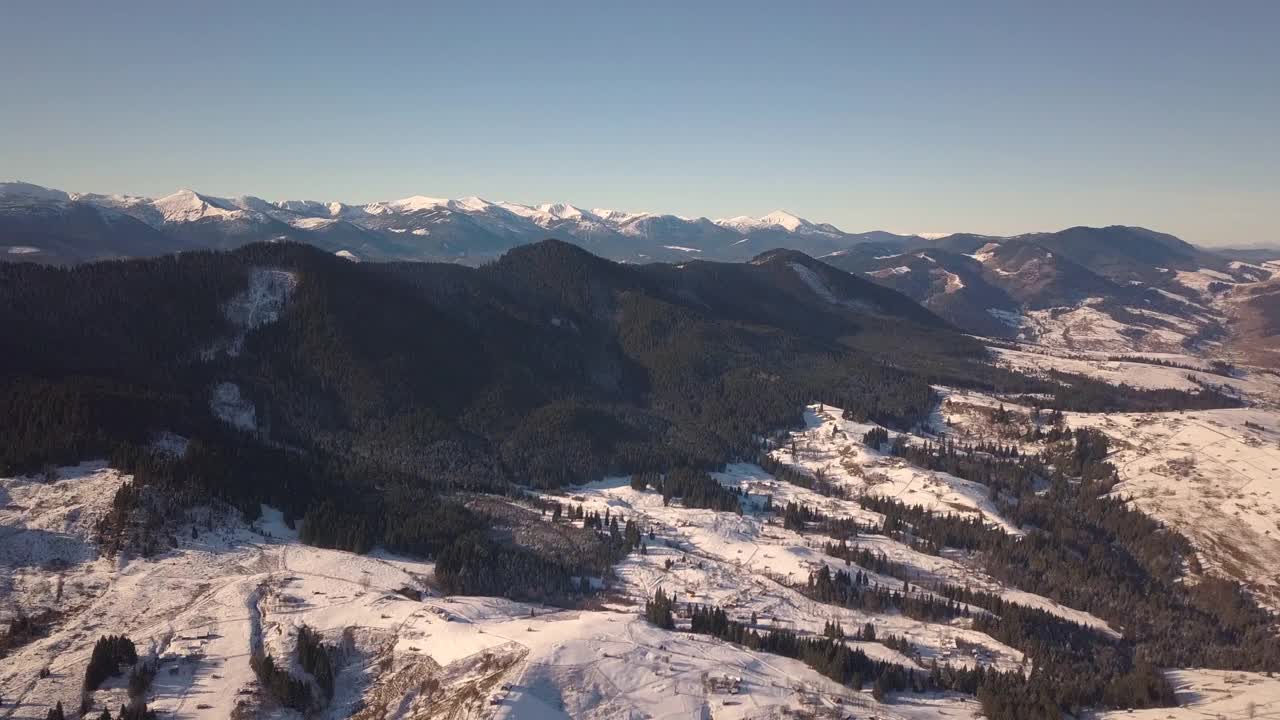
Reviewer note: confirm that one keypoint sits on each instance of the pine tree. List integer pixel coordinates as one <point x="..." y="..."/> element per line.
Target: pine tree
<point x="658" y="610"/>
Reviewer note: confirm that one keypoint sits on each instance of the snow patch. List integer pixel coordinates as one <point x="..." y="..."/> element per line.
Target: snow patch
<point x="815" y="283"/>
<point x="171" y="444"/>
<point x="261" y="303"/>
<point x="890" y="272"/>
<point x="1012" y="319"/>
<point x="1200" y="280"/>
<point x="312" y="223"/>
<point x="414" y="203"/>
<point x="776" y="219"/>
<point x="953" y="282"/>
<point x="229" y="406"/>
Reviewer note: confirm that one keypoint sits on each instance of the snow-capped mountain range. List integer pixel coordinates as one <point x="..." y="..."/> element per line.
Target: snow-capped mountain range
<point x="58" y="226"/>
<point x="1158" y="292"/>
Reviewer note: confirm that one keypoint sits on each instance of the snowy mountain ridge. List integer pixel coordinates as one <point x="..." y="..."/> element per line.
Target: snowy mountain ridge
<point x="468" y="229"/>
<point x="186" y="205"/>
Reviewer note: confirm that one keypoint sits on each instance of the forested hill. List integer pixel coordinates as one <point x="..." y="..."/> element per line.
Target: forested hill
<point x="547" y="366"/>
<point x="301" y="376"/>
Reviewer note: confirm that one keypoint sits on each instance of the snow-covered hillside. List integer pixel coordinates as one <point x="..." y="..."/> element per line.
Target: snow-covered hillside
<point x="226" y="590"/>
<point x="1151" y="371"/>
<point x="1214" y="475"/>
<point x="201" y="608"/>
<point x="1114" y="289"/>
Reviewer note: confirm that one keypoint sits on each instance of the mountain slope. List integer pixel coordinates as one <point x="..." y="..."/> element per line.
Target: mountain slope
<point x="1123" y="254"/>
<point x="47" y="226"/>
<point x="431" y="358"/>
<point x="953" y="285"/>
<point x="1255" y="330"/>
<point x="1117" y="289"/>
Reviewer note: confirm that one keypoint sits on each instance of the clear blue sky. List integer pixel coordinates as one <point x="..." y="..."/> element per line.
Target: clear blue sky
<point x="948" y="116"/>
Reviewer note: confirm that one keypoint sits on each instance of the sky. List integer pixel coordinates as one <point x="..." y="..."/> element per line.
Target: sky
<point x="908" y="116"/>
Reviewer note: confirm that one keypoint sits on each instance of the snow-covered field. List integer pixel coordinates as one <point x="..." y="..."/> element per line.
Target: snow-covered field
<point x="748" y="565"/>
<point x="1259" y="387"/>
<point x="1087" y="326"/>
<point x="831" y="448"/>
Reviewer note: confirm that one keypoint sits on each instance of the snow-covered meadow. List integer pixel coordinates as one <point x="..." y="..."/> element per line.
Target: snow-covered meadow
<point x="201" y="608"/>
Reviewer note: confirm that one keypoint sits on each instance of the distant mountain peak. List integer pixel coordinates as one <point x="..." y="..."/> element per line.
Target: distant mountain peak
<point x="30" y="190"/>
<point x="782" y="255"/>
<point x="471" y="203"/>
<point x="785" y="219"/>
<point x="777" y="219"/>
<point x="619" y="216"/>
<point x="413" y="203"/>
<point x="562" y="211"/>
<point x="188" y="205"/>
<point x="257" y="204"/>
